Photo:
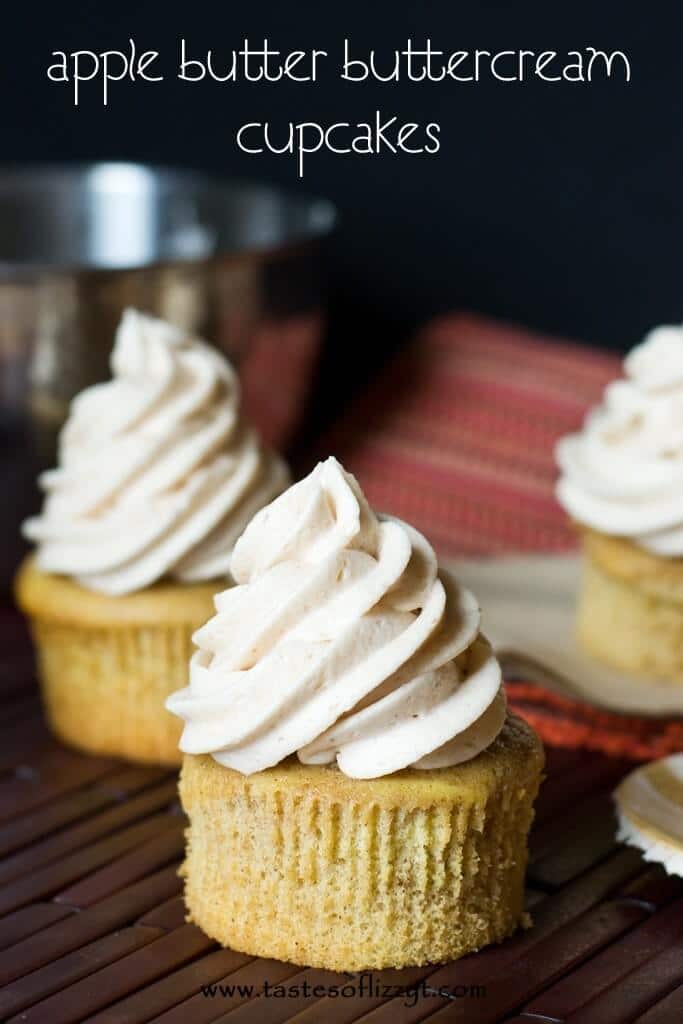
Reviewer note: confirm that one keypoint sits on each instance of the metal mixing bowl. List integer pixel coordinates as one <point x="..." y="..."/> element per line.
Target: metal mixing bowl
<point x="80" y="243"/>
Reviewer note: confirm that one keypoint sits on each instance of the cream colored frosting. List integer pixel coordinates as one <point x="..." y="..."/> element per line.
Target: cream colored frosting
<point x="650" y="811"/>
<point x="623" y="474"/>
<point x="158" y="474"/>
<point x="342" y="640"/>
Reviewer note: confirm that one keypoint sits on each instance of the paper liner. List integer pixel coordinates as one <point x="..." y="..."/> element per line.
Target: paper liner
<point x="301" y="863"/>
<point x="650" y="812"/>
<point x="107" y="664"/>
<point x="104" y="690"/>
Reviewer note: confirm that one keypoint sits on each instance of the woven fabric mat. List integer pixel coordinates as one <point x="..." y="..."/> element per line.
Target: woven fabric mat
<point x="276" y="372"/>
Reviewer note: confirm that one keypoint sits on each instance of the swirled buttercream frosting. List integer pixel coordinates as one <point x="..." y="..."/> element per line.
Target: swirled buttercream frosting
<point x="158" y="473"/>
<point x="623" y="473"/>
<point x="343" y="640"/>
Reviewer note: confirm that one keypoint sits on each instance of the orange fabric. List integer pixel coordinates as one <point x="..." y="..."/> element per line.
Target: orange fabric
<point x="563" y="722"/>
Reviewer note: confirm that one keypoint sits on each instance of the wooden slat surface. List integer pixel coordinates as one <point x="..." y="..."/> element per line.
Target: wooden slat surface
<point x="92" y="922"/>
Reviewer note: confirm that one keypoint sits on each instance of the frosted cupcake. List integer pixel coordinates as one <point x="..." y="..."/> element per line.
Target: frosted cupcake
<point x="158" y="476"/>
<point x="649" y="805"/>
<point x="358" y="795"/>
<point x="622" y="483"/>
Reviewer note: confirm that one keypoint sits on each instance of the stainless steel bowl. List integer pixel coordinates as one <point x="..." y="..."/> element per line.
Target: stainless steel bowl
<point x="80" y="243"/>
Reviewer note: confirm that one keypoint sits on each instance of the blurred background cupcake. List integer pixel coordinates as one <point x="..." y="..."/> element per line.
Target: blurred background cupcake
<point x="622" y="483"/>
<point x="158" y="475"/>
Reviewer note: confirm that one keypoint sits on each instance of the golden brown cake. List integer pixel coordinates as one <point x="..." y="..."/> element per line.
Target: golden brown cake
<point x="630" y="611"/>
<point x="107" y="664"/>
<point x="357" y="795"/>
<point x="301" y="863"/>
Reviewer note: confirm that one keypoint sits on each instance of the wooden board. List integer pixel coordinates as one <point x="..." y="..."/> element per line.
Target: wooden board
<point x="92" y="922"/>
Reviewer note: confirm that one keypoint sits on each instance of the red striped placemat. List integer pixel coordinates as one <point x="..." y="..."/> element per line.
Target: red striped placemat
<point x="276" y="372"/>
<point x="457" y="436"/>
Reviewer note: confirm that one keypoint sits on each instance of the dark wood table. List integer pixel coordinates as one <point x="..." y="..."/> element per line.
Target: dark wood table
<point x="92" y="921"/>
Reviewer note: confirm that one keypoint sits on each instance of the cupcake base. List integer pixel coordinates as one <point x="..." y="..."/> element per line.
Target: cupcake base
<point x="301" y="863"/>
<point x="630" y="612"/>
<point x="107" y="664"/>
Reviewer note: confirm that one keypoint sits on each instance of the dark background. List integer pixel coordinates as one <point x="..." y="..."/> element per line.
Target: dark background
<point x="556" y="206"/>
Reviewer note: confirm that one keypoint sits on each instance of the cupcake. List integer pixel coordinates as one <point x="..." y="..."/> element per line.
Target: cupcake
<point x="649" y="805"/>
<point x="158" y="475"/>
<point x="358" y="796"/>
<point x="622" y="483"/>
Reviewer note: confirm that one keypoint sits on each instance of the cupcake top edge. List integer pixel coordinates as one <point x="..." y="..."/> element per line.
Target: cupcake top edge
<point x="622" y="473"/>
<point x="343" y="641"/>
<point x="158" y="473"/>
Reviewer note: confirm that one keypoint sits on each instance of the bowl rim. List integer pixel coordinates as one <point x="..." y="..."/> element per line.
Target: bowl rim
<point x="26" y="176"/>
